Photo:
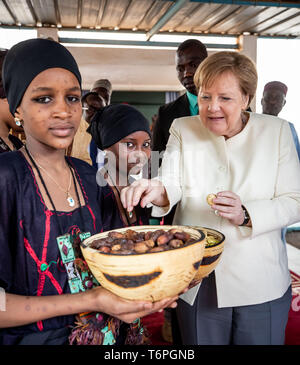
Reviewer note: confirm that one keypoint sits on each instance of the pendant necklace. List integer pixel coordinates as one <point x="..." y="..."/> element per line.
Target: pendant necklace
<point x="69" y="198"/>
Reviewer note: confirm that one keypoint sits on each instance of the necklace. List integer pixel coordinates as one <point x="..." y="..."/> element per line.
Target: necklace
<point x="69" y="198"/>
<point x="58" y="222"/>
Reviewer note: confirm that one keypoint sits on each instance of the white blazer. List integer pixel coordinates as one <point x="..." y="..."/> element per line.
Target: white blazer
<point x="260" y="164"/>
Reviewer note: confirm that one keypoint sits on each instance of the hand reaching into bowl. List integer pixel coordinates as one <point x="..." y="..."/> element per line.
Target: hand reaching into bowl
<point x="144" y="191"/>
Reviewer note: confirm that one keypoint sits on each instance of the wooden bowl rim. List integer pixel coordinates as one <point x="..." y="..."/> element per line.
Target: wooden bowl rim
<point x="213" y="230"/>
<point x="199" y="231"/>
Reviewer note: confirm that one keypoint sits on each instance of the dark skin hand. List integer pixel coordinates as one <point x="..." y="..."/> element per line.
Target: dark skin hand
<point x="22" y="310"/>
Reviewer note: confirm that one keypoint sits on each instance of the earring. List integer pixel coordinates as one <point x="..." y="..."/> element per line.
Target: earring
<point x="18" y="122"/>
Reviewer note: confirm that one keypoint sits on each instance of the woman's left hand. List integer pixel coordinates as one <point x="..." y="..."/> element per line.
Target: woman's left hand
<point x="228" y="205"/>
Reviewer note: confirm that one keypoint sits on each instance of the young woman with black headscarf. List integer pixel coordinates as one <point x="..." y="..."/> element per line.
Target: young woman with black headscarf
<point x="47" y="199"/>
<point x="123" y="133"/>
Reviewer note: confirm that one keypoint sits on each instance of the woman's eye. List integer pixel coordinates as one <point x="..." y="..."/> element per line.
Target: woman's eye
<point x="204" y="97"/>
<point x="129" y="145"/>
<point x="225" y="98"/>
<point x="73" y="99"/>
<point x="147" y="145"/>
<point x="43" y="99"/>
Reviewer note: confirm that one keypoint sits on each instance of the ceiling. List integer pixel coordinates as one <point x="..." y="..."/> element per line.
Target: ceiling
<point x="220" y="17"/>
<point x="134" y="65"/>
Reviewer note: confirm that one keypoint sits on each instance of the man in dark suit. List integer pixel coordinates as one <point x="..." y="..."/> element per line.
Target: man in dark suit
<point x="189" y="55"/>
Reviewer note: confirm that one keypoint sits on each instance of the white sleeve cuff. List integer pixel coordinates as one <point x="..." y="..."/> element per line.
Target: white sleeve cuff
<point x="174" y="195"/>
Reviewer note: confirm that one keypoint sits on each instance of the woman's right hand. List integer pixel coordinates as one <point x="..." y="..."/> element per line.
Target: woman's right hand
<point x="144" y="191"/>
<point x="126" y="310"/>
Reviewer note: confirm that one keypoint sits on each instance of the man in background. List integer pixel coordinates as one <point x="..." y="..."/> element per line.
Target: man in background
<point x="274" y="98"/>
<point x="273" y="101"/>
<point x="188" y="57"/>
<point x="103" y="88"/>
<point x="80" y="148"/>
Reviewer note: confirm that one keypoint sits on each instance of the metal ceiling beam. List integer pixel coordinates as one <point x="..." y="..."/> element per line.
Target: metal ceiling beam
<point x="291" y="4"/>
<point x="187" y="17"/>
<point x="224" y="19"/>
<point x="166" y="17"/>
<point x="79" y="13"/>
<point x="108" y="42"/>
<point x="57" y="13"/>
<point x="10" y="11"/>
<point x="280" y="22"/>
<point x="250" y="17"/>
<point x="32" y="12"/>
<point x="125" y="13"/>
<point x="227" y="17"/>
<point x="101" y="12"/>
<point x="147" y="12"/>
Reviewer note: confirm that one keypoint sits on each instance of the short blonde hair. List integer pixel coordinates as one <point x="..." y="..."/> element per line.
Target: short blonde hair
<point x="218" y="63"/>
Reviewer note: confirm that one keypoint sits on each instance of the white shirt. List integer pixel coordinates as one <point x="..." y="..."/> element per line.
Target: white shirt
<point x="260" y="164"/>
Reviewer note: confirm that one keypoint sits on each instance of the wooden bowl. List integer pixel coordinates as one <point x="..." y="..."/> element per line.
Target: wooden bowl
<point x="149" y="276"/>
<point x="212" y="255"/>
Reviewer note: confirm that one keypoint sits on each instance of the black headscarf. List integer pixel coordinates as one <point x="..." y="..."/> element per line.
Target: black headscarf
<point x="114" y="122"/>
<point x="25" y="60"/>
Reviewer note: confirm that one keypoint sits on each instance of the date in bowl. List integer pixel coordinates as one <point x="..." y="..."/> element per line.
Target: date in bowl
<point x="146" y="274"/>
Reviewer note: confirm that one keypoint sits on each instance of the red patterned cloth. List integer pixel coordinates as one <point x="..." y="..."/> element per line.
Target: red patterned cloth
<point x="292" y="332"/>
<point x="154" y="323"/>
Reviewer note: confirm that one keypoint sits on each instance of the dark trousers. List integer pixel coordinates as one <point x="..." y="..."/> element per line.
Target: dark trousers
<point x="206" y="324"/>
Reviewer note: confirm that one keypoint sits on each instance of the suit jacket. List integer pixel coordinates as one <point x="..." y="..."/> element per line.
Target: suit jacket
<point x="166" y="114"/>
<point x="260" y="164"/>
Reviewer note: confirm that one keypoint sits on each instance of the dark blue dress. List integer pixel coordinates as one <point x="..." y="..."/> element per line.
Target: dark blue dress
<point x="28" y="232"/>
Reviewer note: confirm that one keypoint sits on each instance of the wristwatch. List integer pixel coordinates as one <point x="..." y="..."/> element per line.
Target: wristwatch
<point x="246" y="216"/>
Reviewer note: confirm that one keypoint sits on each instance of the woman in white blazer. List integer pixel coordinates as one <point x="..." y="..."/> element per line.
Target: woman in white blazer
<point x="250" y="163"/>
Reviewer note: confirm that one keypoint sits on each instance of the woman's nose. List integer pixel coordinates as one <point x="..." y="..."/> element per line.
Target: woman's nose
<point x="213" y="105"/>
<point x="138" y="155"/>
<point x="62" y="109"/>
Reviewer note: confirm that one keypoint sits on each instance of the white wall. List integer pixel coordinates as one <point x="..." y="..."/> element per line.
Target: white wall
<point x="128" y="69"/>
<point x="279" y="60"/>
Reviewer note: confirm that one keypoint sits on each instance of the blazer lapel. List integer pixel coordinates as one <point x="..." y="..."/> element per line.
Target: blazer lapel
<point x="183" y="107"/>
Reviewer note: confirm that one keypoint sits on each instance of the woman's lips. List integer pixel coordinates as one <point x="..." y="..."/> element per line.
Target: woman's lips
<point x="62" y="131"/>
<point x="216" y="119"/>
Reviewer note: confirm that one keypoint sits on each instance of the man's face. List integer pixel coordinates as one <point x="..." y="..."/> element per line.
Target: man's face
<point x="187" y="62"/>
<point x="273" y="101"/>
<point x="91" y="105"/>
<point x="104" y="93"/>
